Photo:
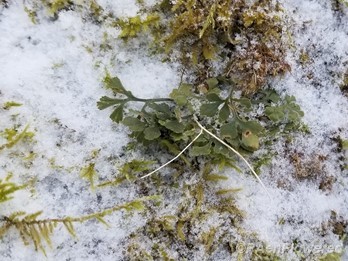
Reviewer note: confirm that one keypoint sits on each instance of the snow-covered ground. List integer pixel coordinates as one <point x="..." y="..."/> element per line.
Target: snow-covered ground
<point x="55" y="70"/>
<point x="324" y="35"/>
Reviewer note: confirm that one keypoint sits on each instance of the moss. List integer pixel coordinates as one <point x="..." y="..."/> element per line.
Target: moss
<point x="7" y="188"/>
<point x="246" y="37"/>
<point x="132" y="26"/>
<point x="208" y="239"/>
<point x="304" y="57"/>
<point x="8" y="105"/>
<point x="181" y="233"/>
<point x="52" y="8"/>
<point x="313" y="170"/>
<point x="32" y="15"/>
<point x="262" y="254"/>
<point x="331" y="257"/>
<point x="338" y="225"/>
<point x="13" y="137"/>
<point x="39" y="231"/>
<point x="339" y="5"/>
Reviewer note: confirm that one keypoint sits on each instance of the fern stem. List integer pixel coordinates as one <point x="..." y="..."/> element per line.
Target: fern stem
<point x="152" y="100"/>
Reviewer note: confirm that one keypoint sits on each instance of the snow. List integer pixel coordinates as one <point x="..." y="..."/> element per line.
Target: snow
<point x="49" y="69"/>
<point x="306" y="208"/>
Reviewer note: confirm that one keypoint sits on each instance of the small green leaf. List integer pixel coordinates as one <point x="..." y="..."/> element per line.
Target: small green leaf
<point x="106" y="102"/>
<point x="208" y="52"/>
<point x="229" y="130"/>
<point x="117" y="114"/>
<point x="213" y="97"/>
<point x="271" y="96"/>
<point x="289" y="111"/>
<point x="114" y="83"/>
<point x="221" y="149"/>
<point x="274" y="113"/>
<point x="173" y="125"/>
<point x="173" y="148"/>
<point x="162" y="110"/>
<point x="290" y="99"/>
<point x="254" y="126"/>
<point x="245" y="102"/>
<point x="201" y="150"/>
<point x="224" y="113"/>
<point x="181" y="94"/>
<point x="160" y="107"/>
<point x="134" y="124"/>
<point x="250" y="141"/>
<point x="212" y="83"/>
<point x="152" y="133"/>
<point x="210" y="109"/>
<point x="185" y="136"/>
<point x="294" y="112"/>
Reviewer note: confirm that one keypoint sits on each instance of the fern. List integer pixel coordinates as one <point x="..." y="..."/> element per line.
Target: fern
<point x="170" y="122"/>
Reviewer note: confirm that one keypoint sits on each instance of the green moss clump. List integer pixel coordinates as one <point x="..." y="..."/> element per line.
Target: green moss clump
<point x="262" y="254"/>
<point x="52" y="8"/>
<point x="246" y="37"/>
<point x="13" y="137"/>
<point x="331" y="257"/>
<point x="181" y="233"/>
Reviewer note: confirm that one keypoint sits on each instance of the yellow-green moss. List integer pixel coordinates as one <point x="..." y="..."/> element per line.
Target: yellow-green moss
<point x="246" y="37"/>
